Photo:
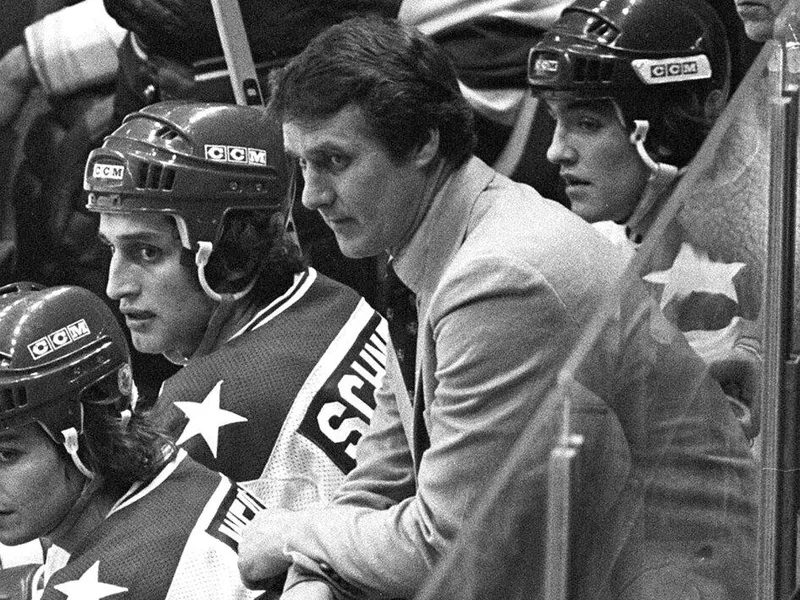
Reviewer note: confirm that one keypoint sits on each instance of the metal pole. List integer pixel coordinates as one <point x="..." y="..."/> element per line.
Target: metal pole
<point x="562" y="480"/>
<point x="777" y="551"/>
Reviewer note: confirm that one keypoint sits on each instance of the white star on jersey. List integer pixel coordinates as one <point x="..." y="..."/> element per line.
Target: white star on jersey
<point x="693" y="271"/>
<point x="89" y="587"/>
<point x="206" y="418"/>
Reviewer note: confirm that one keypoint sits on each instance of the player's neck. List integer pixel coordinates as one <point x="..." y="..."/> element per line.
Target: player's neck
<point x="91" y="508"/>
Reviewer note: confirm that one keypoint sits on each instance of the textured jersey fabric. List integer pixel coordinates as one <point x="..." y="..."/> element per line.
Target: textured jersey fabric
<point x="282" y="404"/>
<point x="175" y="538"/>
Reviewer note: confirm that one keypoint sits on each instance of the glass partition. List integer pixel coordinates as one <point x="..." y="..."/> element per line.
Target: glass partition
<point x="672" y="432"/>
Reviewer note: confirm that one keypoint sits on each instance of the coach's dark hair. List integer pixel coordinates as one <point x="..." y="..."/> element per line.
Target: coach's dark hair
<point x="404" y="84"/>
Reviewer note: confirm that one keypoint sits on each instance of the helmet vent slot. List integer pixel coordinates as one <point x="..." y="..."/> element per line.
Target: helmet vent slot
<point x="13" y="398"/>
<point x="590" y="70"/>
<point x="602" y="30"/>
<point x="167" y="133"/>
<point x="155" y="177"/>
<point x="168" y="178"/>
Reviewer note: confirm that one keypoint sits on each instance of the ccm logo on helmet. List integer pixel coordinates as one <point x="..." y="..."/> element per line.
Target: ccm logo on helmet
<point x="104" y="171"/>
<point x="236" y="154"/>
<point x="58" y="339"/>
<point x="672" y="70"/>
<point x="543" y="66"/>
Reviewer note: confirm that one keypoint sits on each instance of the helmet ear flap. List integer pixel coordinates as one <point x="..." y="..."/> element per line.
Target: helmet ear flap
<point x="66" y="423"/>
<point x="55" y="426"/>
<point x="248" y="240"/>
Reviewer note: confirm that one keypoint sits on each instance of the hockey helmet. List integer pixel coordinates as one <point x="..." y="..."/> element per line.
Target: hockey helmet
<point x="194" y="161"/>
<point x="59" y="348"/>
<point x="666" y="62"/>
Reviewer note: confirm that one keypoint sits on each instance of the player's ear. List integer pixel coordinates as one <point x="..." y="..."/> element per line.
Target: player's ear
<point x="427" y="152"/>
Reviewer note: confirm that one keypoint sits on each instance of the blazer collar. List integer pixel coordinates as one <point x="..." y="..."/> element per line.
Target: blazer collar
<point x="420" y="264"/>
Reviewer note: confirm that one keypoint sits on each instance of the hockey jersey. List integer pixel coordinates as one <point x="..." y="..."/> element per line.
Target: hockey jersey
<point x="282" y="404"/>
<point x="175" y="538"/>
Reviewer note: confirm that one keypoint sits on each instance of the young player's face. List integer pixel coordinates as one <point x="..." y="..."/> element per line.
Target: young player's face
<point x="370" y="200"/>
<point x="604" y="175"/>
<point x="759" y="17"/>
<point x="164" y="306"/>
<point x="38" y="485"/>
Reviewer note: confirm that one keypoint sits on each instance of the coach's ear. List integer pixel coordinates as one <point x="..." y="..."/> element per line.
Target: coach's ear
<point x="426" y="153"/>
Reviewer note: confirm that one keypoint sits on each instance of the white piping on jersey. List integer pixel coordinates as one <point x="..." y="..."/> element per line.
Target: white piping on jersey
<point x="302" y="283"/>
<point x="136" y="492"/>
<point x="335" y="353"/>
<point x="212" y="506"/>
<point x="322" y="371"/>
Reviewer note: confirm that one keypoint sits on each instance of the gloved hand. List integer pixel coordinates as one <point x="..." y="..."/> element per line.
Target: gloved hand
<point x="17" y="78"/>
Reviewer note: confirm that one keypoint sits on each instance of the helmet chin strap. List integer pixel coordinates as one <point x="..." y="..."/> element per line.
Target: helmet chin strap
<point x="71" y="445"/>
<point x="662" y="177"/>
<point x="204" y="250"/>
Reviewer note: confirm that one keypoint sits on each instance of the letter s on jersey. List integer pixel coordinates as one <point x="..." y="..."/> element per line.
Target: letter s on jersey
<point x="341" y="410"/>
<point x="332" y="412"/>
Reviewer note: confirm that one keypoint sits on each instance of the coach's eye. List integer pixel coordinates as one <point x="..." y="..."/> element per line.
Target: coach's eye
<point x="8" y="455"/>
<point x="338" y="161"/>
<point x="150" y="253"/>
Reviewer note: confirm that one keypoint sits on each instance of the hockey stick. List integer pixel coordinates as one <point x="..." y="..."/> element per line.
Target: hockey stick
<point x="244" y="78"/>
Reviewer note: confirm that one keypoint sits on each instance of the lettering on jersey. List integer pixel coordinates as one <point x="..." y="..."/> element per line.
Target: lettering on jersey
<point x="341" y="410"/>
<point x="236" y="154"/>
<point x="58" y="339"/>
<point x="672" y="70"/>
<point x="235" y="511"/>
<point x="107" y="171"/>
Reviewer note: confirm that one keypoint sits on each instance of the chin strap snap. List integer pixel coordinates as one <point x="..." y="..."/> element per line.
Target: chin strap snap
<point x="71" y="445"/>
<point x="125" y="417"/>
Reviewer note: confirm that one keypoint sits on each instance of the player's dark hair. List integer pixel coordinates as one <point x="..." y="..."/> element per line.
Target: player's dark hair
<point x="254" y="245"/>
<point x="403" y="83"/>
<point x="123" y="451"/>
<point x="679" y="125"/>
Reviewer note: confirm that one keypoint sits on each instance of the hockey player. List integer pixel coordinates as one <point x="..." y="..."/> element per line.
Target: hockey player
<point x="280" y="363"/>
<point x="119" y="508"/>
<point x="633" y="99"/>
